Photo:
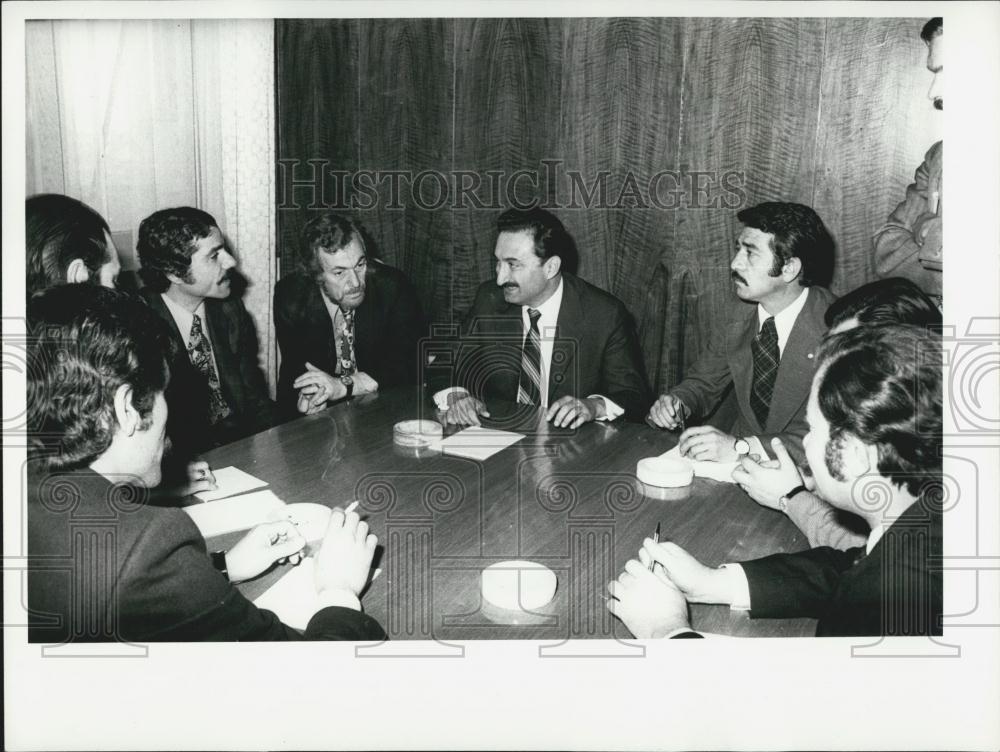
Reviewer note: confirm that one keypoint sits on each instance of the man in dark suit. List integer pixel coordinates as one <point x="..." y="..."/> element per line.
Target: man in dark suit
<point x="874" y="433"/>
<point x="784" y="257"/>
<point x="218" y="393"/>
<point x="105" y="565"/>
<point x="541" y="336"/>
<point x="346" y="323"/>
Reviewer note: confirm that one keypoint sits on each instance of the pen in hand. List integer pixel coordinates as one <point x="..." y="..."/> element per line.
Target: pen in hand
<point x="656" y="539"/>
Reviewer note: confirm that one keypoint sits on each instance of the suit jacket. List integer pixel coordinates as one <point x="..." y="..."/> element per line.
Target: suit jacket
<point x="388" y="326"/>
<point x="899" y="251"/>
<point x="595" y="350"/>
<point x="731" y="362"/>
<point x="234" y="343"/>
<point x="106" y="567"/>
<point x="894" y="590"/>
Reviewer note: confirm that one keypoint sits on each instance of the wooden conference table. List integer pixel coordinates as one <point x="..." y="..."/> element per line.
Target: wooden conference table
<point x="566" y="499"/>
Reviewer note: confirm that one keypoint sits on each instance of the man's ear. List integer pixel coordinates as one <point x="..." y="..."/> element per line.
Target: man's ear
<point x="77" y="271"/>
<point x="127" y="416"/>
<point x="791" y="269"/>
<point x="859" y="458"/>
<point x="552" y="266"/>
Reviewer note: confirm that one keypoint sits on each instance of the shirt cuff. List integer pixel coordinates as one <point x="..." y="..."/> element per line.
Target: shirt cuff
<point x="737" y="587"/>
<point x="441" y="397"/>
<point x="338" y="597"/>
<point x="757" y="447"/>
<point x="612" y="411"/>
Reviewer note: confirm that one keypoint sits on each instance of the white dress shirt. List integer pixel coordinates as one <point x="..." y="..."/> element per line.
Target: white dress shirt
<point x="547" y="327"/>
<point x="184" y="318"/>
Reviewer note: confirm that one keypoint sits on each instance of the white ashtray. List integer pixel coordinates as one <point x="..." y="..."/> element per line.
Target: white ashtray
<point x="312" y="520"/>
<point x="518" y="585"/>
<point x="417" y="433"/>
<point x="664" y="472"/>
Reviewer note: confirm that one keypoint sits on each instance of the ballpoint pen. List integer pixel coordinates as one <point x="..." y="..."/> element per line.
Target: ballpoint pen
<point x="656" y="539"/>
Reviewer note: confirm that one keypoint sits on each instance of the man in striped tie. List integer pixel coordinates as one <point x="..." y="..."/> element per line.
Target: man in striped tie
<point x="540" y="336"/>
<point x="784" y="259"/>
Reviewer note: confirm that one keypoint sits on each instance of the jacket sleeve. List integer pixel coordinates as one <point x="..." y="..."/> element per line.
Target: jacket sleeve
<point x="794" y="585"/>
<point x="263" y="413"/>
<point x="707" y="380"/>
<point x="897" y="244"/>
<point x="292" y="344"/>
<point x="171" y="591"/>
<point x="622" y="373"/>
<point x="824" y="525"/>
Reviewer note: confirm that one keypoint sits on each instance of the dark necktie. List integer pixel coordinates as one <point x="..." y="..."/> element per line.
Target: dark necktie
<point x="348" y="365"/>
<point x="765" y="369"/>
<point x="529" y="385"/>
<point x="200" y="352"/>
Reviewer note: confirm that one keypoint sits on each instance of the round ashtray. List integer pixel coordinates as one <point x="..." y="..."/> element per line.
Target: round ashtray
<point x="416" y="433"/>
<point x="518" y="585"/>
<point x="664" y="472"/>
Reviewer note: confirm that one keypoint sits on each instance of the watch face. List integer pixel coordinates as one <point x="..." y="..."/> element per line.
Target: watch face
<point x="742" y="446"/>
<point x="347" y="381"/>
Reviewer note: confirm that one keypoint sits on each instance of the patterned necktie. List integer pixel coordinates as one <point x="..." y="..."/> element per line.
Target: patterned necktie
<point x="347" y="363"/>
<point x="765" y="369"/>
<point x="528" y="385"/>
<point x="200" y="352"/>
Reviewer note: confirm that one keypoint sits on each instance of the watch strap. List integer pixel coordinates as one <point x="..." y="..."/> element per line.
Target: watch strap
<point x="785" y="498"/>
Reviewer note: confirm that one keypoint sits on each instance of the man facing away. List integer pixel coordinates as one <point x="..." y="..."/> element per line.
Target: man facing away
<point x="874" y="448"/>
<point x="105" y="565"/>
<point x="784" y="259"/>
<point x="909" y="244"/>
<point x="347" y="324"/>
<point x="540" y="336"/>
<point x="218" y="392"/>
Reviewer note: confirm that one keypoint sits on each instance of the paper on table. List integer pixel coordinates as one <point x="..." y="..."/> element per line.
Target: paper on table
<point x="230" y="481"/>
<point x="293" y="598"/>
<point x="478" y="443"/>
<point x="239" y="513"/>
<point x="721" y="471"/>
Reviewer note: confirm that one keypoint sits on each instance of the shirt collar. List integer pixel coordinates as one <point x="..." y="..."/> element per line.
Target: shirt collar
<point x="873" y="538"/>
<point x="549" y="310"/>
<point x="785" y="320"/>
<point x="183" y="317"/>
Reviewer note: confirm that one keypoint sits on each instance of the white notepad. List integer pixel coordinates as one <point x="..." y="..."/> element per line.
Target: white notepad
<point x="478" y="443"/>
<point x="237" y="513"/>
<point x="720" y="471"/>
<point x="231" y="481"/>
<point x="293" y="598"/>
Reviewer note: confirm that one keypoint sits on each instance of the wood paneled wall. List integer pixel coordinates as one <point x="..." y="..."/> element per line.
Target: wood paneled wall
<point x="827" y="112"/>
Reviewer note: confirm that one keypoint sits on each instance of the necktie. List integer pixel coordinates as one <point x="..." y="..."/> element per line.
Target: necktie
<point x="200" y="352"/>
<point x="765" y="369"/>
<point x="347" y="363"/>
<point x="529" y="384"/>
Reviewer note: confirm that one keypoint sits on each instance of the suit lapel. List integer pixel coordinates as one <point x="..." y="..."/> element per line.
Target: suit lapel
<point x="319" y="325"/>
<point x="157" y="304"/>
<point x="224" y="349"/>
<point x="798" y="363"/>
<point x="741" y="365"/>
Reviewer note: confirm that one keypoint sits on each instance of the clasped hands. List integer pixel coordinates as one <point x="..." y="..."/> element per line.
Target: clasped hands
<point x="317" y="388"/>
<point x="654" y="602"/>
<point x="343" y="562"/>
<point x="565" y="412"/>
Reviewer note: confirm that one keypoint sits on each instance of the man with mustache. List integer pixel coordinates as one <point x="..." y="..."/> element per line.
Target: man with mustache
<point x="909" y="244"/>
<point x="541" y="337"/>
<point x="784" y="259"/>
<point x="217" y="393"/>
<point x="347" y="324"/>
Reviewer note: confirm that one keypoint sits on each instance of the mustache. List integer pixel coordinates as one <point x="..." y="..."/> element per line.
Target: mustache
<point x="737" y="277"/>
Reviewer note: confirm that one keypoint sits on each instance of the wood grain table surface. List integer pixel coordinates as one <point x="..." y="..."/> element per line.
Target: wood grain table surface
<point x="565" y="499"/>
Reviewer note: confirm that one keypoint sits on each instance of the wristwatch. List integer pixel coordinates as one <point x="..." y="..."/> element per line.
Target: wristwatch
<point x="742" y="447"/>
<point x="348" y="382"/>
<point x="783" y="500"/>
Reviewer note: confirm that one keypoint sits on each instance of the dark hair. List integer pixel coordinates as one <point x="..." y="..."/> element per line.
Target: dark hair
<point x="882" y="384"/>
<point x="58" y="230"/>
<point x="798" y="232"/>
<point x="166" y="243"/>
<point x="893" y="300"/>
<point x="933" y="28"/>
<point x="85" y="342"/>
<point x="551" y="238"/>
<point x="327" y="233"/>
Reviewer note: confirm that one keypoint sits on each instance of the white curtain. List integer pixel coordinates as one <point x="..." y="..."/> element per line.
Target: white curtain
<point x="134" y="116"/>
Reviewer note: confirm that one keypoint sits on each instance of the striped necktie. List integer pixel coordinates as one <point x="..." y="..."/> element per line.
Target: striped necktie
<point x="766" y="357"/>
<point x="529" y="384"/>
